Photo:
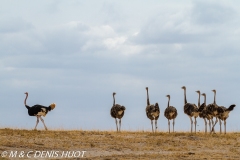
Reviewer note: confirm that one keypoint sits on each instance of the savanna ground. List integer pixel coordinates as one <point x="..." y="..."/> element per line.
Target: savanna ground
<point x="109" y="145"/>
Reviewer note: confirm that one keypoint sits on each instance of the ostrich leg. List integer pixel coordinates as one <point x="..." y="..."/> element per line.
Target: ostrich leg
<point x="152" y="124"/>
<point x="156" y="125"/>
<point x="173" y="123"/>
<point x="168" y="126"/>
<point x="220" y="123"/>
<point x="205" y="125"/>
<point x="43" y="123"/>
<point x="195" y="122"/>
<point x="36" y="123"/>
<point x="225" y="125"/>
<point x="116" y="124"/>
<point x="209" y="123"/>
<point x="191" y="122"/>
<point x="214" y="125"/>
<point x="119" y="125"/>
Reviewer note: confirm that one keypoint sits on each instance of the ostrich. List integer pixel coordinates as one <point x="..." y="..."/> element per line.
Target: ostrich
<point x="190" y="109"/>
<point x="38" y="111"/>
<point x="205" y="115"/>
<point x="117" y="111"/>
<point x="212" y="110"/>
<point x="223" y="114"/>
<point x="170" y="113"/>
<point x="220" y="112"/>
<point x="152" y="111"/>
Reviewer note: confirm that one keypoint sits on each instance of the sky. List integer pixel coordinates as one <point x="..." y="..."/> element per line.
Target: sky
<point x="77" y="53"/>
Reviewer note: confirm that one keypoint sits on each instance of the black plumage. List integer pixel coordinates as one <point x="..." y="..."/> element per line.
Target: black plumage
<point x="38" y="111"/>
<point x="117" y="111"/>
<point x="230" y="108"/>
<point x="170" y="113"/>
<point x="152" y="111"/>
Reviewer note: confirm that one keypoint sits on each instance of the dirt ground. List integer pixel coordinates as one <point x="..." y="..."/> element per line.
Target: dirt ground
<point x="109" y="145"/>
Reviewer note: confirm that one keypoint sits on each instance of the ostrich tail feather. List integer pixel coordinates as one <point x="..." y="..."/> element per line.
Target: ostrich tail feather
<point x="230" y="108"/>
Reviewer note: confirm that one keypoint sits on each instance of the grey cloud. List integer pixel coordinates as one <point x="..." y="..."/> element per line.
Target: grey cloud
<point x="208" y="13"/>
<point x="14" y="24"/>
<point x="204" y="21"/>
<point x="67" y="61"/>
<point x="62" y="42"/>
<point x="168" y="37"/>
<point x="168" y="30"/>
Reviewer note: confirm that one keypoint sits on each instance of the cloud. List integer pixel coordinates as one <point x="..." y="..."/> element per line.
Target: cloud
<point x="14" y="24"/>
<point x="209" y="13"/>
<point x="77" y="53"/>
<point x="171" y="28"/>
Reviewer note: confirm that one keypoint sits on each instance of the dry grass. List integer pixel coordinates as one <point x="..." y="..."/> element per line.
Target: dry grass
<point x="109" y="145"/>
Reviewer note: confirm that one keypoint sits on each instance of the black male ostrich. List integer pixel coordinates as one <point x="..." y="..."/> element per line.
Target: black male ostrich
<point x="190" y="109"/>
<point x="170" y="113"/>
<point x="152" y="111"/>
<point x="38" y="111"/>
<point x="117" y="111"/>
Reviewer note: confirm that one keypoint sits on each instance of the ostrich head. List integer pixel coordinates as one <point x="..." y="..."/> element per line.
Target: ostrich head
<point x="114" y="93"/>
<point x="53" y="105"/>
<point x="198" y="91"/>
<point x="203" y="94"/>
<point x="168" y="96"/>
<point x="26" y="93"/>
<point x="146" y="88"/>
<point x="183" y="87"/>
<point x="214" y="90"/>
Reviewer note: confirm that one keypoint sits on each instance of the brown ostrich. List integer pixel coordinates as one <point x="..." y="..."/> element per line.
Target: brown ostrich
<point x="190" y="109"/>
<point x="170" y="113"/>
<point x="117" y="112"/>
<point x="223" y="114"/>
<point x="152" y="112"/>
<point x="212" y="110"/>
<point x="205" y="115"/>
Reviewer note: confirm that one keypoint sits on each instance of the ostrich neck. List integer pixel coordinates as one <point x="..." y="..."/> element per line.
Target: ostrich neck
<point x="185" y="97"/>
<point x="148" y="102"/>
<point x="113" y="100"/>
<point x="205" y="100"/>
<point x="25" y="101"/>
<point x="214" y="101"/>
<point x="168" y="101"/>
<point x="198" y="99"/>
